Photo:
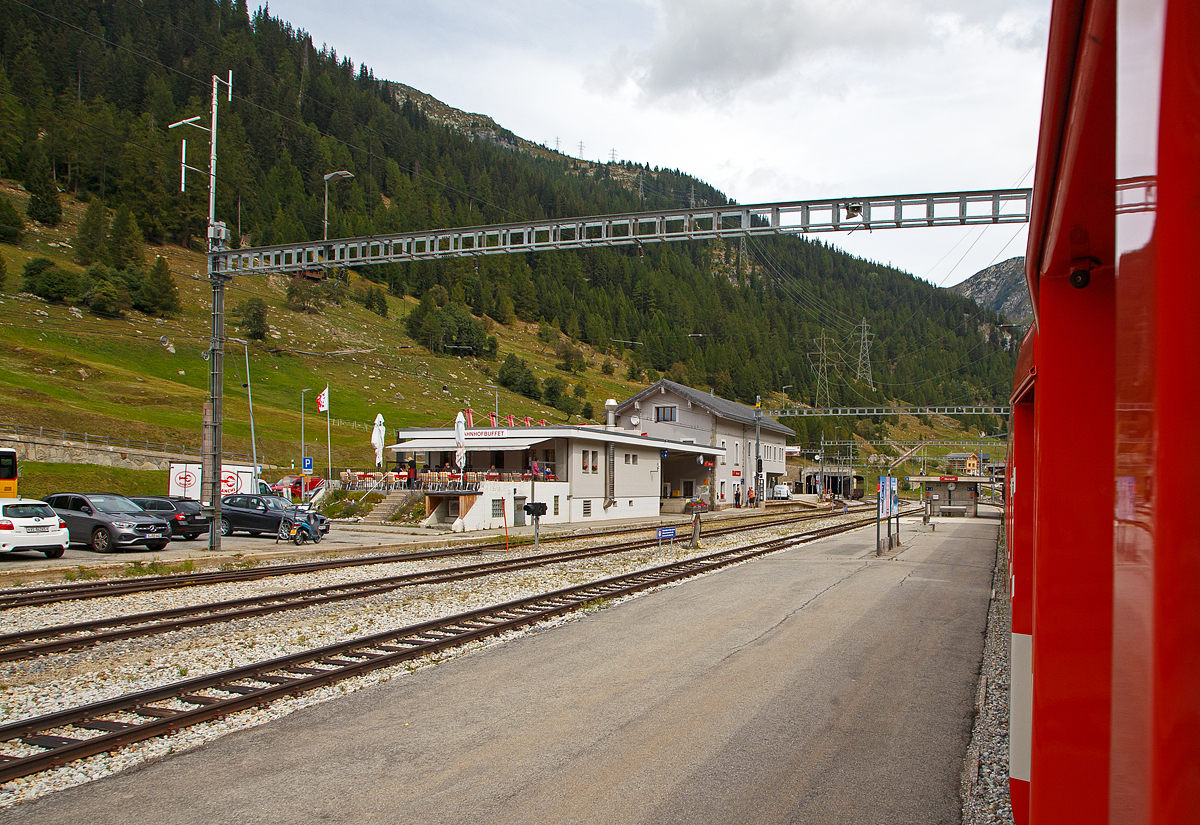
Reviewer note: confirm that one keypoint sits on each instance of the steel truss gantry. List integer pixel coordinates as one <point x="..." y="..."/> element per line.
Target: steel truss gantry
<point x="976" y="208"/>
<point x="866" y="412"/>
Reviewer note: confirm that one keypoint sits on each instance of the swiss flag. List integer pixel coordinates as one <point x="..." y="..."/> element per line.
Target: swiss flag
<point x="323" y="400"/>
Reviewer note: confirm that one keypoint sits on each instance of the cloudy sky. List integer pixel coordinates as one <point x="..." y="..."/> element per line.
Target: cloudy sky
<point x="765" y="99"/>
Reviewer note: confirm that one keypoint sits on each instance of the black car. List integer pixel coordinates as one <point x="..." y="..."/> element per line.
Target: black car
<point x="183" y="514"/>
<point x="109" y="522"/>
<point x="259" y="514"/>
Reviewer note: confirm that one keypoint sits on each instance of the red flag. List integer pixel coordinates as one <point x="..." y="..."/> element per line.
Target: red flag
<point x="323" y="400"/>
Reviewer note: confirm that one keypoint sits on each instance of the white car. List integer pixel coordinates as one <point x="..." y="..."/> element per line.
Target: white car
<point x="782" y="492"/>
<point x="30" y="524"/>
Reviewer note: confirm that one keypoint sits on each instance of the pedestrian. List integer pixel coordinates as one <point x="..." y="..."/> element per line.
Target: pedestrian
<point x="749" y="496"/>
<point x="737" y="497"/>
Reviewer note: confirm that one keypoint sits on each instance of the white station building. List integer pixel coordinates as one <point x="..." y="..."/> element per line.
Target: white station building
<point x="581" y="473"/>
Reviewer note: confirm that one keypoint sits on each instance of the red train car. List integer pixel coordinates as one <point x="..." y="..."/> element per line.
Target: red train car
<point x="1104" y="553"/>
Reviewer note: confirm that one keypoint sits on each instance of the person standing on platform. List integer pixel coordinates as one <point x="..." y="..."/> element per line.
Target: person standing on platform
<point x="749" y="496"/>
<point x="737" y="497"/>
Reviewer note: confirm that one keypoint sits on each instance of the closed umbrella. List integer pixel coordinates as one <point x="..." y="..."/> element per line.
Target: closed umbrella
<point x="378" y="434"/>
<point x="460" y="441"/>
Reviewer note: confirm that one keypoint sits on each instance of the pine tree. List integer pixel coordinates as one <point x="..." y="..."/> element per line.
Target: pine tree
<point x="11" y="222"/>
<point x="159" y="293"/>
<point x="44" y="206"/>
<point x="93" y="234"/>
<point x="124" y="241"/>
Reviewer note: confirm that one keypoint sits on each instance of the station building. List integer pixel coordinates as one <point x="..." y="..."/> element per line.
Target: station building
<point x="678" y="413"/>
<point x="582" y="473"/>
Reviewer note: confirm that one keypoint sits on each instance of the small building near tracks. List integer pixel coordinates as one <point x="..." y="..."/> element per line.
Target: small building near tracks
<point x="673" y="411"/>
<point x="581" y="473"/>
<point x="951" y="495"/>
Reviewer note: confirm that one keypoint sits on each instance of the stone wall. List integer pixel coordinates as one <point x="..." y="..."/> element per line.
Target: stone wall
<point x="57" y="451"/>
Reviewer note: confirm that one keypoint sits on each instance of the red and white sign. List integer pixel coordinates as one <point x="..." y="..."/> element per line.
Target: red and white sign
<point x="948" y="478"/>
<point x="185" y="479"/>
<point x="323" y="400"/>
<point x="229" y="483"/>
<point x="737" y="473"/>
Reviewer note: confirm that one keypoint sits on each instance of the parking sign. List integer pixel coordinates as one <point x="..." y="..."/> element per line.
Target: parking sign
<point x="308" y="466"/>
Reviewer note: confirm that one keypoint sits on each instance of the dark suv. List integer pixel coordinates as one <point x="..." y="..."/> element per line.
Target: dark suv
<point x="183" y="514"/>
<point x="259" y="514"/>
<point x="109" y="522"/>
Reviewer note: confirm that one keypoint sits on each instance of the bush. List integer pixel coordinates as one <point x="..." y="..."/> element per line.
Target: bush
<point x="304" y="296"/>
<point x="609" y="368"/>
<point x="254" y="318"/>
<point x="11" y="222"/>
<point x="552" y="390"/>
<point x="104" y="300"/>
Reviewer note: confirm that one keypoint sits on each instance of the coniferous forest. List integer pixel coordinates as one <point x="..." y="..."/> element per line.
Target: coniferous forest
<point x="87" y="90"/>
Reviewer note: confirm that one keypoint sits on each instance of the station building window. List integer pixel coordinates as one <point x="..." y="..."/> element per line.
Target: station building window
<point x="497" y="508"/>
<point x="665" y="413"/>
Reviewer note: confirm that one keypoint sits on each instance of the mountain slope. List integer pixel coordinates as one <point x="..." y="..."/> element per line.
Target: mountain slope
<point x="1000" y="288"/>
<point x="742" y="319"/>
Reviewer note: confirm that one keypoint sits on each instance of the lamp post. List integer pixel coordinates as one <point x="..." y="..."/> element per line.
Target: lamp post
<point x="250" y="400"/>
<point x="786" y="387"/>
<point x="497" y="390"/>
<point x="303" y="449"/>
<point x="339" y="175"/>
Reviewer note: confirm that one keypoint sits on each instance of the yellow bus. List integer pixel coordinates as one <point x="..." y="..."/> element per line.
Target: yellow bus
<point x="8" y="473"/>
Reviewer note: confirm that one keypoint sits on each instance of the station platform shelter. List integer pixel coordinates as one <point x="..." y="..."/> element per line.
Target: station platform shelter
<point x="951" y="495"/>
<point x="581" y="473"/>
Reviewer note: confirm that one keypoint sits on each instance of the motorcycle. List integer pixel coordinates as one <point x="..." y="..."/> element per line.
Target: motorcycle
<point x="304" y="528"/>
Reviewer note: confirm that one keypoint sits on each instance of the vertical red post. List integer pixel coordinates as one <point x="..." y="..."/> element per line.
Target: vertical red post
<point x="1072" y="553"/>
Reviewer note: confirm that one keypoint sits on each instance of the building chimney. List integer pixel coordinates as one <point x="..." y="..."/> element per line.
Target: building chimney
<point x="610" y="407"/>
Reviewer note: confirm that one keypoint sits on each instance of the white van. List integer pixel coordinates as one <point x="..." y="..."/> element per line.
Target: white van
<point x="781" y="492"/>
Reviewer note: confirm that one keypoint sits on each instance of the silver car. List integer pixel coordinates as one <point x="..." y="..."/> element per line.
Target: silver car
<point x="109" y="522"/>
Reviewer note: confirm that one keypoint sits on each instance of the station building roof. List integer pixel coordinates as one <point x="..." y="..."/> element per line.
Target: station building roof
<point x="500" y="439"/>
<point x="721" y="407"/>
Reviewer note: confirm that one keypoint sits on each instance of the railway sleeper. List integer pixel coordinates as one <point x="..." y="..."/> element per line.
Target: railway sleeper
<point x="155" y="713"/>
<point x="104" y="725"/>
<point x="49" y="742"/>
<point x="242" y="690"/>
<point x="196" y="699"/>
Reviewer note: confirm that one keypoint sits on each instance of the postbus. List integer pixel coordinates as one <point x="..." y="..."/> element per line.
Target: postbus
<point x="8" y="473"/>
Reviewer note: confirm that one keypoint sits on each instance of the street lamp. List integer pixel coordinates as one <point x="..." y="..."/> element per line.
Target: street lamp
<point x="303" y="449"/>
<point x="497" y="389"/>
<point x="786" y="387"/>
<point x="339" y="175"/>
<point x="250" y="399"/>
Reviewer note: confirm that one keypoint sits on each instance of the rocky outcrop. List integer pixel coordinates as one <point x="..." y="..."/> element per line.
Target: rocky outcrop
<point x="1000" y="288"/>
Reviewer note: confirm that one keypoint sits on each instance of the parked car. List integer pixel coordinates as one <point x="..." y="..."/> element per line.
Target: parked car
<point x="108" y="522"/>
<point x="781" y="491"/>
<point x="28" y="524"/>
<point x="183" y="514"/>
<point x="260" y="514"/>
<point x="295" y="486"/>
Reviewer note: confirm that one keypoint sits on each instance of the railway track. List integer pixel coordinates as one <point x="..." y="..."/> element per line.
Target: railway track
<point x="56" y="739"/>
<point x="51" y="594"/>
<point x="78" y="635"/>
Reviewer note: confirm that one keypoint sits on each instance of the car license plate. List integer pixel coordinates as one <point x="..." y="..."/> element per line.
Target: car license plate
<point x="37" y="529"/>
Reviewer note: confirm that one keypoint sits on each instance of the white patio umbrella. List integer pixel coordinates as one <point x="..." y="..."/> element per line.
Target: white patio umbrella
<point x="378" y="434"/>
<point x="460" y="441"/>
